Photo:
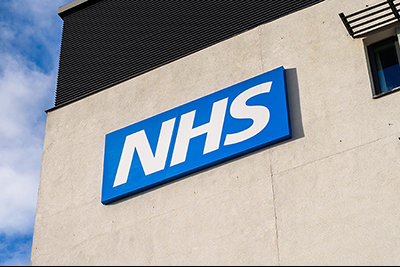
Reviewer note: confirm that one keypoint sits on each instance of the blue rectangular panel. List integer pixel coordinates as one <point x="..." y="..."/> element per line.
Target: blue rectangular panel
<point x="217" y="127"/>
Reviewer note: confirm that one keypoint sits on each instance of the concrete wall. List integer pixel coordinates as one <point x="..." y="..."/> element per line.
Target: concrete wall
<point x="328" y="196"/>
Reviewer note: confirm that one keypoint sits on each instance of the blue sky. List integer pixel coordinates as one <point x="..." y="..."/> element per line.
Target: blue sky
<point x="30" y="38"/>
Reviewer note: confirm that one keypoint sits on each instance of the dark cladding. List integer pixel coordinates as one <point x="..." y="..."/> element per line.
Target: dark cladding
<point x="109" y="41"/>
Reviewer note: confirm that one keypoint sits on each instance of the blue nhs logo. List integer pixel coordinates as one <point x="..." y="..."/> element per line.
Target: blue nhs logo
<point x="231" y="122"/>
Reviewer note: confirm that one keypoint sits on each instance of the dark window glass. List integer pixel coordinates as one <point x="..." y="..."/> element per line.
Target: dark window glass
<point x="384" y="57"/>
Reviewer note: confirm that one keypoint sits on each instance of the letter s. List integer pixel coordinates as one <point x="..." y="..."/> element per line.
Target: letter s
<point x="259" y="114"/>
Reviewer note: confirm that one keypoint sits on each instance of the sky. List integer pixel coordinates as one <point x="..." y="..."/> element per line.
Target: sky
<point x="30" y="39"/>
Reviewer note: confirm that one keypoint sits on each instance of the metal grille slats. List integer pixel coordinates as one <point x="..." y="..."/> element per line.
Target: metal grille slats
<point x="109" y="41"/>
<point x="360" y="23"/>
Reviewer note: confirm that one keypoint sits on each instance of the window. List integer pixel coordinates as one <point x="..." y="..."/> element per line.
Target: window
<point x="384" y="58"/>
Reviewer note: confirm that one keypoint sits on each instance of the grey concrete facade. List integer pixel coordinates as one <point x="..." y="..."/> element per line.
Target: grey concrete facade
<point x="330" y="195"/>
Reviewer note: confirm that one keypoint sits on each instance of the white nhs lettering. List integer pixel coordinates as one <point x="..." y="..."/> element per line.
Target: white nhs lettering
<point x="153" y="163"/>
<point x="234" y="121"/>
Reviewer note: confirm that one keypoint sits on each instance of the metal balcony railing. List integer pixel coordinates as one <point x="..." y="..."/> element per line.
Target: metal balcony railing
<point x="360" y="23"/>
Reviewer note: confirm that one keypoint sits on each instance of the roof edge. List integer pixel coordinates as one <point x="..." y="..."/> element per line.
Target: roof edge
<point x="73" y="6"/>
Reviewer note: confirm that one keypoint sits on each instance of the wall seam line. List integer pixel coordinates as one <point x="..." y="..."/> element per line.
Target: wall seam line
<point x="275" y="216"/>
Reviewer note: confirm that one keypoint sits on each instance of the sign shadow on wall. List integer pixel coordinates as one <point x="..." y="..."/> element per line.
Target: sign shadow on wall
<point x="283" y="125"/>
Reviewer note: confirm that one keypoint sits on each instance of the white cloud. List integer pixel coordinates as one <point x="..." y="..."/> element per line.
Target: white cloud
<point x="26" y="91"/>
<point x="22" y="93"/>
<point x="18" y="201"/>
<point x="30" y="36"/>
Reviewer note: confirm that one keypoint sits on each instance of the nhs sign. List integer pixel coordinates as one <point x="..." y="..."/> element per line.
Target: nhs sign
<point x="217" y="127"/>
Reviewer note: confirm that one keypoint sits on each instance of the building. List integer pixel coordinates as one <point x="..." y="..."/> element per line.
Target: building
<point x="326" y="193"/>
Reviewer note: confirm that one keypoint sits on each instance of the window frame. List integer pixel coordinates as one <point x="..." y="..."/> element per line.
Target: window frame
<point x="377" y="92"/>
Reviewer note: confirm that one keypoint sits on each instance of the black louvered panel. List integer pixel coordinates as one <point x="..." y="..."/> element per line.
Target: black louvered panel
<point x="109" y="41"/>
<point x="363" y="22"/>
